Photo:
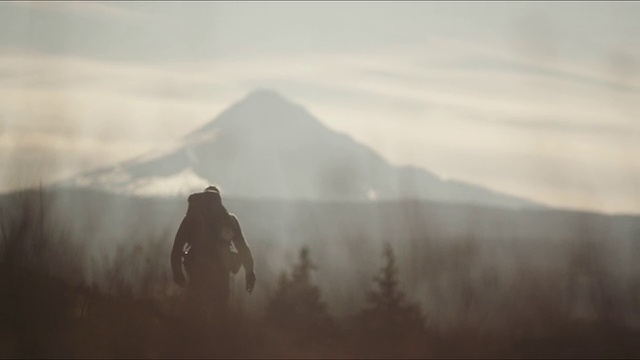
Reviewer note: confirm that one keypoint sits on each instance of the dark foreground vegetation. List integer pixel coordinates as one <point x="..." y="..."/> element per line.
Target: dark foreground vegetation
<point x="57" y="302"/>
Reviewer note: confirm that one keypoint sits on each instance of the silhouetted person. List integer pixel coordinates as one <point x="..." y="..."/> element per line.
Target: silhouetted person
<point x="203" y="245"/>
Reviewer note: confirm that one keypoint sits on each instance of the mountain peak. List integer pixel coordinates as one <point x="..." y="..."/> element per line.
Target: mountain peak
<point x="266" y="146"/>
<point x="264" y="110"/>
<point x="264" y="94"/>
<point x="268" y="101"/>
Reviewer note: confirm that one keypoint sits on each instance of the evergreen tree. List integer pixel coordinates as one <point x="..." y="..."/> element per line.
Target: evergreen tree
<point x="388" y="316"/>
<point x="297" y="305"/>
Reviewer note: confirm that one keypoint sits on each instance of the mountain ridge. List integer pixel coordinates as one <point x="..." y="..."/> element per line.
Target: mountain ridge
<point x="265" y="146"/>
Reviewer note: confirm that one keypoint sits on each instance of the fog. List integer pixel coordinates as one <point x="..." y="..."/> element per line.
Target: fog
<point x="472" y="168"/>
<point x="537" y="100"/>
<point x="486" y="270"/>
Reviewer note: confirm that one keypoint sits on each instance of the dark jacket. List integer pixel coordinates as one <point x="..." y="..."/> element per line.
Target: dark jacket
<point x="205" y="236"/>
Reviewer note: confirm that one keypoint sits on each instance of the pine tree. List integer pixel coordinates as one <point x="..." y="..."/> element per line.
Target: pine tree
<point x="297" y="305"/>
<point x="388" y="316"/>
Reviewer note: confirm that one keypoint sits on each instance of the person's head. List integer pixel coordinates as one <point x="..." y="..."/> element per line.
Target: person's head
<point x="212" y="188"/>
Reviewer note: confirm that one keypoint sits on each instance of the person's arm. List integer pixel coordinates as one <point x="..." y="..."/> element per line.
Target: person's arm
<point x="246" y="258"/>
<point x="178" y="251"/>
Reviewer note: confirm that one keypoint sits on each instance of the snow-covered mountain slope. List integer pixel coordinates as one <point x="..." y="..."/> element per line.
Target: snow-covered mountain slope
<point x="264" y="146"/>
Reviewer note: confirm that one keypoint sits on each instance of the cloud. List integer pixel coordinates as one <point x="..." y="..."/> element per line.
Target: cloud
<point x="627" y="133"/>
<point x="90" y="9"/>
<point x="28" y="159"/>
<point x="519" y="131"/>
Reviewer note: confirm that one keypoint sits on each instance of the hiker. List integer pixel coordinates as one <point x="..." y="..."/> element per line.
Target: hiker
<point x="203" y="245"/>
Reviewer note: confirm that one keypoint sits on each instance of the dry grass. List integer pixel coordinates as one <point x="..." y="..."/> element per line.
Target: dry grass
<point x="49" y="309"/>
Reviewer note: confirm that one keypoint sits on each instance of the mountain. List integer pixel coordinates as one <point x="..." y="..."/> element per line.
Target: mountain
<point x="265" y="146"/>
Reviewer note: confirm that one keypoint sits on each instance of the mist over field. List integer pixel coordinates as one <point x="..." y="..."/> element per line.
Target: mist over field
<point x="473" y="262"/>
<point x="413" y="179"/>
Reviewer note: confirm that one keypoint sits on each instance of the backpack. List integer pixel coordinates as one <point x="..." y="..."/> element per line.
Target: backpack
<point x="210" y="235"/>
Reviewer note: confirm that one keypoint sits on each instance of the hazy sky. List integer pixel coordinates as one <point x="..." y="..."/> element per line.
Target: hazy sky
<point x="536" y="99"/>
